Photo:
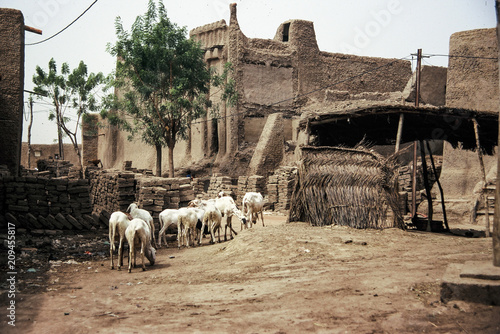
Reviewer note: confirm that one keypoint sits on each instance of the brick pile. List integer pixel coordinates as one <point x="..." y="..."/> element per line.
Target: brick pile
<point x="53" y="168"/>
<point x="405" y="182"/>
<point x="156" y="194"/>
<point x="110" y="190"/>
<point x="127" y="166"/>
<point x="200" y="187"/>
<point x="280" y="187"/>
<point x="45" y="204"/>
<point x="220" y="183"/>
<point x="75" y="172"/>
<point x="254" y="183"/>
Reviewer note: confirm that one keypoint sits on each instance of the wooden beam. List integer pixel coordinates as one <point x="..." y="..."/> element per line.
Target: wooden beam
<point x="443" y="206"/>
<point x="483" y="172"/>
<point x="33" y="30"/>
<point x="400" y="131"/>
<point x="427" y="186"/>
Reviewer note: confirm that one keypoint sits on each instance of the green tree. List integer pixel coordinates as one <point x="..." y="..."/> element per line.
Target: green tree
<point x="71" y="93"/>
<point x="162" y="81"/>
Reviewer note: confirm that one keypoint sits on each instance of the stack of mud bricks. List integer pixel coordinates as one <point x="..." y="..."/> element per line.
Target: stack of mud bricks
<point x="254" y="183"/>
<point x="55" y="168"/>
<point x="220" y="183"/>
<point x="199" y="184"/>
<point x="75" y="172"/>
<point x="280" y="187"/>
<point x="41" y="204"/>
<point x="156" y="194"/>
<point x="110" y="190"/>
<point x="127" y="166"/>
<point x="404" y="182"/>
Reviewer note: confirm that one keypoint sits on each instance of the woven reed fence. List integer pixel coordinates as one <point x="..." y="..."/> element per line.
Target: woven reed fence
<point x="349" y="187"/>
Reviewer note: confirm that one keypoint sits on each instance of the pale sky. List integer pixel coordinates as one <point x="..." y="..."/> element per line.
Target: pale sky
<point x="378" y="28"/>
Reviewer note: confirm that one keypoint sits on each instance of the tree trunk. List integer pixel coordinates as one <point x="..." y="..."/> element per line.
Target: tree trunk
<point x="158" y="160"/>
<point x="171" y="161"/>
<point x="59" y="134"/>
<point x="80" y="157"/>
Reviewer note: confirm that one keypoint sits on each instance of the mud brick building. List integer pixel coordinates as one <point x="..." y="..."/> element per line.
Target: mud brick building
<point x="276" y="80"/>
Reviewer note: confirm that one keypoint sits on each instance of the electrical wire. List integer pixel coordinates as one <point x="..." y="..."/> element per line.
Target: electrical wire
<point x="64" y="27"/>
<point x="459" y="56"/>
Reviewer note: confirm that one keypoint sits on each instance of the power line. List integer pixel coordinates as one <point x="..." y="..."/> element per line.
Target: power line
<point x="64" y="27"/>
<point x="460" y="56"/>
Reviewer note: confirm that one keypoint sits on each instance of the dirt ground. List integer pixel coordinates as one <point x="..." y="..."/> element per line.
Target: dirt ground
<point x="282" y="278"/>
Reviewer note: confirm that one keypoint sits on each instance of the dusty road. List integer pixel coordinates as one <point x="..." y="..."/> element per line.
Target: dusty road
<point x="284" y="278"/>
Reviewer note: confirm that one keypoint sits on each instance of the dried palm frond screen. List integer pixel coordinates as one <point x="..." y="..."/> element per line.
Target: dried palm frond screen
<point x="348" y="187"/>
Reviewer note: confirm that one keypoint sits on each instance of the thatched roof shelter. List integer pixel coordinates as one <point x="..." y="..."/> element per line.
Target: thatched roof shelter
<point x="378" y="124"/>
<point x="342" y="186"/>
<point x="357" y="187"/>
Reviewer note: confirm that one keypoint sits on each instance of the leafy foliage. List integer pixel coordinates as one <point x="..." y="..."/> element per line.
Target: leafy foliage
<point x="162" y="80"/>
<point x="68" y="90"/>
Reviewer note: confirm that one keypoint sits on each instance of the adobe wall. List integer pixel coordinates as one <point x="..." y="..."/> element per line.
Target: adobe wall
<point x="432" y="86"/>
<point x="473" y="82"/>
<point x="254" y="126"/>
<point x="114" y="148"/>
<point x="461" y="178"/>
<point x="270" y="148"/>
<point x="90" y="132"/>
<point x="271" y="75"/>
<point x="11" y="87"/>
<point x="47" y="152"/>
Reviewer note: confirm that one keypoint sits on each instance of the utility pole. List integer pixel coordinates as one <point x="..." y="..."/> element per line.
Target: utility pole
<point x="418" y="70"/>
<point x="414" y="175"/>
<point x="422" y="154"/>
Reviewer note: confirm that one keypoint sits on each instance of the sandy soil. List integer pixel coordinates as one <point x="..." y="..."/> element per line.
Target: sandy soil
<point x="282" y="278"/>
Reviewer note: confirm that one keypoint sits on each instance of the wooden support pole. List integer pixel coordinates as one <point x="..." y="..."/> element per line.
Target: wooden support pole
<point x="483" y="172"/>
<point x="414" y="178"/>
<point x="400" y="131"/>
<point x="443" y="206"/>
<point x="414" y="183"/>
<point x="419" y="72"/>
<point x="427" y="186"/>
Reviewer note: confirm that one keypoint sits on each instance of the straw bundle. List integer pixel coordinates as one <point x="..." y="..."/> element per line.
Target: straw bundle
<point x="350" y="187"/>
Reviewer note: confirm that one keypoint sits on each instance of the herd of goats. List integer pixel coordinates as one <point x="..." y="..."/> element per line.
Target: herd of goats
<point x="137" y="227"/>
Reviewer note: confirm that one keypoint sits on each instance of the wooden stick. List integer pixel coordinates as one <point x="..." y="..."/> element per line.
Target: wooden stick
<point x="427" y="186"/>
<point x="439" y="186"/>
<point x="400" y="131"/>
<point x="481" y="163"/>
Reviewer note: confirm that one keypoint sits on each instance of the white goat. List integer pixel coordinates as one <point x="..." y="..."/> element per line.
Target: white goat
<point x="200" y="203"/>
<point x="139" y="235"/>
<point x="135" y="212"/>
<point x="252" y="204"/>
<point x="118" y="222"/>
<point x="186" y="227"/>
<point x="228" y="208"/>
<point x="212" y="218"/>
<point x="167" y="218"/>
